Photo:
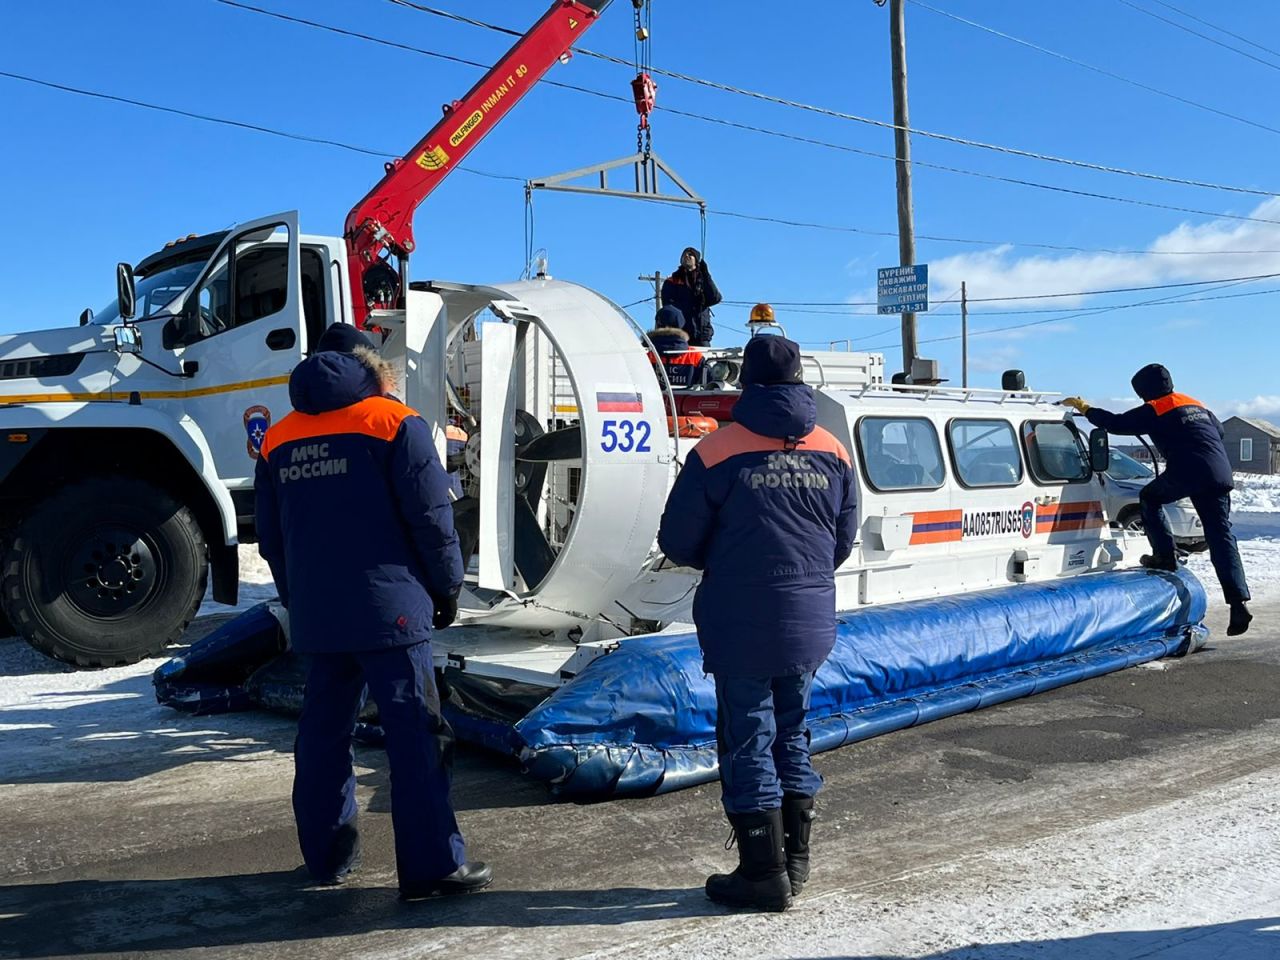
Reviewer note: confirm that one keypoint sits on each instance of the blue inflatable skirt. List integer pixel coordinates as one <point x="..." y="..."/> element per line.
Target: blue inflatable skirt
<point x="641" y="720"/>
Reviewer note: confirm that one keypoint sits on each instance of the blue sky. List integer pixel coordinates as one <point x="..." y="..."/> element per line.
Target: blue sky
<point x="86" y="182"/>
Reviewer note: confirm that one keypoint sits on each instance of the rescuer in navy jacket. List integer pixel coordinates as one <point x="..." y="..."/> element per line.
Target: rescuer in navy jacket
<point x="354" y="518"/>
<point x="682" y="363"/>
<point x="1189" y="437"/>
<point x="692" y="291"/>
<point x="765" y="509"/>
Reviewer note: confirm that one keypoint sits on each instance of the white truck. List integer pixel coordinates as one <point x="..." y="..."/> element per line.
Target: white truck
<point x="130" y="442"/>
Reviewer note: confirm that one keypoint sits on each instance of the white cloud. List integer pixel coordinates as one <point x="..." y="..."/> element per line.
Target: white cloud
<point x="985" y="359"/>
<point x="1002" y="272"/>
<point x="1260" y="406"/>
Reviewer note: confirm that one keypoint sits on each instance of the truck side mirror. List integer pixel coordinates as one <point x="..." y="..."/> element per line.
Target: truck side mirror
<point x="1099" y="450"/>
<point x="128" y="340"/>
<point x="126" y="293"/>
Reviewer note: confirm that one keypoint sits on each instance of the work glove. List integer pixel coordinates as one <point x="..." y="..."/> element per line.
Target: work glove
<point x="1077" y="404"/>
<point x="446" y="611"/>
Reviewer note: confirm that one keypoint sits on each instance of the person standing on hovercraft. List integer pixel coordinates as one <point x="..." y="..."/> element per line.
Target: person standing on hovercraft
<point x="1189" y="437"/>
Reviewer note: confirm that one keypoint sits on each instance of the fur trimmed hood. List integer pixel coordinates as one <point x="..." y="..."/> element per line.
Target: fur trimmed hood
<point x="668" y="333"/>
<point x="330" y="380"/>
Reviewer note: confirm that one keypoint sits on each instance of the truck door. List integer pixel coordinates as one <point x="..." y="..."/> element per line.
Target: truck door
<point x="249" y="337"/>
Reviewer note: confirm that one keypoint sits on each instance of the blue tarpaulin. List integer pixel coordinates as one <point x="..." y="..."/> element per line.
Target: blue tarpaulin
<point x="641" y="720"/>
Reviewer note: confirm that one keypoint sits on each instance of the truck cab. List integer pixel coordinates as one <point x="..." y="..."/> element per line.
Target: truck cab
<point x="132" y="440"/>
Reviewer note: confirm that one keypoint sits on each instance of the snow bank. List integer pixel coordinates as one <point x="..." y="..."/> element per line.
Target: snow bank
<point x="1256" y="493"/>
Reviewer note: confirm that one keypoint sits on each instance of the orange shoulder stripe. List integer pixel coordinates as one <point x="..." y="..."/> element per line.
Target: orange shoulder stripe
<point x="730" y="441"/>
<point x="822" y="441"/>
<point x="378" y="417"/>
<point x="1172" y="401"/>
<point x="734" y="439"/>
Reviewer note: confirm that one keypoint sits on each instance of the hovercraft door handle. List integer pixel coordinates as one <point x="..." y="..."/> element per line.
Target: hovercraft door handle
<point x="281" y="339"/>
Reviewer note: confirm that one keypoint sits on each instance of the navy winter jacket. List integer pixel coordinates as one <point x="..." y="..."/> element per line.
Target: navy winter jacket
<point x="693" y="293"/>
<point x="764" y="507"/>
<point x="353" y="513"/>
<point x="1186" y="433"/>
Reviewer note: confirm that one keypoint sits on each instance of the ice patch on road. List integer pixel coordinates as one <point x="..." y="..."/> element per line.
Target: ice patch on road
<point x="1194" y="879"/>
<point x="48" y="706"/>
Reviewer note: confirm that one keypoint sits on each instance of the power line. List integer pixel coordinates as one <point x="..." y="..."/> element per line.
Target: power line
<point x="1096" y="69"/>
<point x="836" y="228"/>
<point x="1167" y="301"/>
<point x="1205" y="36"/>
<point x="841" y="115"/>
<point x="408" y="48"/>
<point x="1214" y="26"/>
<point x="386" y="154"/>
<point x="731" y="123"/>
<point x="239" y="124"/>
<point x="1100" y="293"/>
<point x="1034" y="296"/>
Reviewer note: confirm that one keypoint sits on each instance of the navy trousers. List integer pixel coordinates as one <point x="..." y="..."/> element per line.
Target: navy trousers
<point x="419" y="751"/>
<point x="763" y="741"/>
<point x="1214" y="510"/>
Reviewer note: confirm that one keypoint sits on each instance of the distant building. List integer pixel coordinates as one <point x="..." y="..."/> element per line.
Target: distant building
<point x="1138" y="451"/>
<point x="1253" y="445"/>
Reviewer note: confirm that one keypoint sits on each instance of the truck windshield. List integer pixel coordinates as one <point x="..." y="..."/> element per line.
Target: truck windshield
<point x="1124" y="467"/>
<point x="155" y="292"/>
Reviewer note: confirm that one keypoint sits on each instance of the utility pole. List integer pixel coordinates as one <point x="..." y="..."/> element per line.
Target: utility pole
<point x="656" y="279"/>
<point x="902" y="152"/>
<point x="964" y="335"/>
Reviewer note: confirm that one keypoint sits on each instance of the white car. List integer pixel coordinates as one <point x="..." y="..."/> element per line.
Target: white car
<point x="1123" y="483"/>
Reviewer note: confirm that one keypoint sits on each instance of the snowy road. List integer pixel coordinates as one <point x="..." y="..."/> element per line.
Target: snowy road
<point x="1129" y="816"/>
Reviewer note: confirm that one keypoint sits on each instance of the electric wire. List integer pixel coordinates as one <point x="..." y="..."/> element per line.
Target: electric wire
<point x="751" y="127"/>
<point x="1204" y="36"/>
<point x="387" y="154"/>
<point x="842" y="115"/>
<point x="1214" y="26"/>
<point x="1093" y="312"/>
<point x="783" y="221"/>
<point x="240" y="124"/>
<point x="1181" y="284"/>
<point x="1096" y="69"/>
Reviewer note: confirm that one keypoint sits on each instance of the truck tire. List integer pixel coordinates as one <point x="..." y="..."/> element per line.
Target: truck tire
<point x="106" y="571"/>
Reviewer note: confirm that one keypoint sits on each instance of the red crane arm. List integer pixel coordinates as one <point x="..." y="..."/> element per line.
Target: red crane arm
<point x="383" y="220"/>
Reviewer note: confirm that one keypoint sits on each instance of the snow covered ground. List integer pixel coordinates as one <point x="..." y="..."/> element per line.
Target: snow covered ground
<point x="1194" y="877"/>
<point x="1108" y="891"/>
<point x="1256" y="493"/>
<point x="26" y="674"/>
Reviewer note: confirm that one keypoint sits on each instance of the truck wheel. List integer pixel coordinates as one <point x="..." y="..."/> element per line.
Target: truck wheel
<point x="106" y="571"/>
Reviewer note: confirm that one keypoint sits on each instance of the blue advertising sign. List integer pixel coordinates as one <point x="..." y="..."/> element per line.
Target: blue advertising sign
<point x="903" y="289"/>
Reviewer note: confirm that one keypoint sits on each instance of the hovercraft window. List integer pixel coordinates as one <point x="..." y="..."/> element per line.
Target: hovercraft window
<point x="900" y="453"/>
<point x="1055" y="452"/>
<point x="985" y="453"/>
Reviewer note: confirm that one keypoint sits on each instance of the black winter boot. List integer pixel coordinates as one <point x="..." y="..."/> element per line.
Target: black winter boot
<point x="468" y="878"/>
<point x="1240" y="618"/>
<point x="761" y="881"/>
<point x="1156" y="562"/>
<point x="797" y="821"/>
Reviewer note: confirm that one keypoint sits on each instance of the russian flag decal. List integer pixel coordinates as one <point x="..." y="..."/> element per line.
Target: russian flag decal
<point x="611" y="399"/>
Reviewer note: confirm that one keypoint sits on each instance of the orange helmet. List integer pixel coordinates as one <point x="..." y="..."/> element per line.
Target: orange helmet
<point x="762" y="313"/>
